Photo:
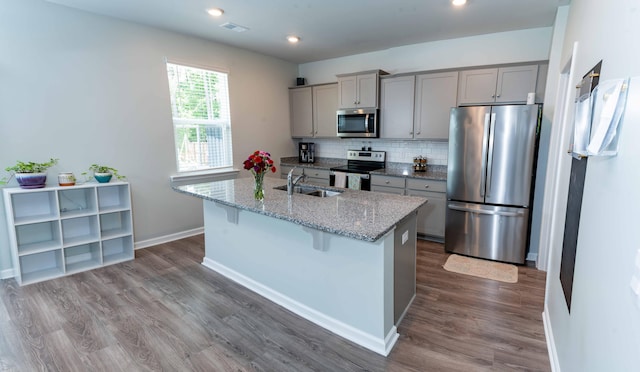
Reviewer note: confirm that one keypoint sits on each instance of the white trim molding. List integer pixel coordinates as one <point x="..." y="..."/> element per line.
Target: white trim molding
<point x="7" y="274"/>
<point x="379" y="345"/>
<point x="168" y="238"/>
<point x="551" y="344"/>
<point x="204" y="176"/>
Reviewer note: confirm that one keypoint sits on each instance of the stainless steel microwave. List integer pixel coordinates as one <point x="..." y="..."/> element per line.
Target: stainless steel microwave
<point x="358" y="123"/>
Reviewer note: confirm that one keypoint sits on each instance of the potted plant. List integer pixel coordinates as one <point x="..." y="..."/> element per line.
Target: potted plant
<point x="103" y="173"/>
<point x="30" y="175"/>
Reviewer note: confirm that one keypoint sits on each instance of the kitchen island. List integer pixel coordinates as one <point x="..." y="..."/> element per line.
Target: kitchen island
<point x="345" y="262"/>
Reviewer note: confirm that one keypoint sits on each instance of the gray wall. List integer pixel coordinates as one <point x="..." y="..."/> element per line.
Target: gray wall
<point x="602" y="332"/>
<point x="503" y="47"/>
<point x="91" y="89"/>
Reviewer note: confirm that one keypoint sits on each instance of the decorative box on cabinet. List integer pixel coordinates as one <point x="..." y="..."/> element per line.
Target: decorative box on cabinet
<point x="56" y="231"/>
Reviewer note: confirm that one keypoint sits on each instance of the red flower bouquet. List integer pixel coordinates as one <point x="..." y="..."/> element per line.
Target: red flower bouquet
<point x="259" y="163"/>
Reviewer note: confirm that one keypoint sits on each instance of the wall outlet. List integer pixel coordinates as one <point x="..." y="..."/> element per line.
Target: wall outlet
<point x="405" y="236"/>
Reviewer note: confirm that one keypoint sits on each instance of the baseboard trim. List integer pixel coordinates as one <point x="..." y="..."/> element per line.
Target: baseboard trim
<point x="551" y="344"/>
<point x="6" y="274"/>
<point x="168" y="238"/>
<point x="378" y="345"/>
<point x="532" y="257"/>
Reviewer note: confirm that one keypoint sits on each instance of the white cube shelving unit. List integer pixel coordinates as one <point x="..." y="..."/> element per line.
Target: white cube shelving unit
<point x="56" y="231"/>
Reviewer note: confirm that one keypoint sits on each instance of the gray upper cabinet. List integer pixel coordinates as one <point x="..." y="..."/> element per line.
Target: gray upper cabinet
<point x="325" y="105"/>
<point x="313" y="111"/>
<point x="417" y="107"/>
<point x="497" y="85"/>
<point x="301" y="109"/>
<point x="436" y="94"/>
<point x="396" y="107"/>
<point x="360" y="90"/>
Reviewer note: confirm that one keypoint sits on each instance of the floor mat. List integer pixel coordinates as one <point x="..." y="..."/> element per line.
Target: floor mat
<point x="482" y="268"/>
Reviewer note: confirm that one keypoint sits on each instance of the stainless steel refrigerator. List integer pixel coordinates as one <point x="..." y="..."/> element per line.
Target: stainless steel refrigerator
<point x="492" y="152"/>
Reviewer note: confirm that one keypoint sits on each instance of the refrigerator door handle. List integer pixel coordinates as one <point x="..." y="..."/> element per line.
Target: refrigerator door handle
<point x="483" y="168"/>
<point x="483" y="211"/>
<point x="490" y="157"/>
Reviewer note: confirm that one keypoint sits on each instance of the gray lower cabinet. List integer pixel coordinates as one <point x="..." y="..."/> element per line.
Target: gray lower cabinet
<point x="314" y="175"/>
<point x="431" y="216"/>
<point x="388" y="184"/>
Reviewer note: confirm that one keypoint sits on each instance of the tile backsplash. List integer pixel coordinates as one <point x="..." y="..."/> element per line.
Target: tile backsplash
<point x="397" y="151"/>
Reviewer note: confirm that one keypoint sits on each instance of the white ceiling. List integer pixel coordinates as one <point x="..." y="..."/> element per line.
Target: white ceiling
<point x="328" y="28"/>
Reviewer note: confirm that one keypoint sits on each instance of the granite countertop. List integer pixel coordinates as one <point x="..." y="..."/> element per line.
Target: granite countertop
<point x="362" y="215"/>
<point x="433" y="172"/>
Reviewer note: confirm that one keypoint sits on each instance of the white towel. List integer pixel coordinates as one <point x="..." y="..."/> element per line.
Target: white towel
<point x="354" y="181"/>
<point x="340" y="179"/>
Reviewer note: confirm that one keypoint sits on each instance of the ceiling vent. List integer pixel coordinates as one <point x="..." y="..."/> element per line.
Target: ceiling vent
<point x="234" y="27"/>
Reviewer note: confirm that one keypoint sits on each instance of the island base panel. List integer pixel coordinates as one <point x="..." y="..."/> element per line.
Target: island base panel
<point x="346" y="287"/>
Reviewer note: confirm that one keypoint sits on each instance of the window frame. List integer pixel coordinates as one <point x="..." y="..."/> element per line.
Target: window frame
<point x="223" y="124"/>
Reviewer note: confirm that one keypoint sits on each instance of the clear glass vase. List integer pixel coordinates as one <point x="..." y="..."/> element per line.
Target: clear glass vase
<point x="258" y="187"/>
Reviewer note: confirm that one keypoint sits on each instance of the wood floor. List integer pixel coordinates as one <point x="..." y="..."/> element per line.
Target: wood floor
<point x="165" y="311"/>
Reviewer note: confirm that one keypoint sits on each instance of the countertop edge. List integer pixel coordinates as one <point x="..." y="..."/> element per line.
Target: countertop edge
<point x="346" y="233"/>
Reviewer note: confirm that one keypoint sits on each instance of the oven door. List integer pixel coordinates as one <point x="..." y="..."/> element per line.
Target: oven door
<point x="355" y="181"/>
<point x="357" y="123"/>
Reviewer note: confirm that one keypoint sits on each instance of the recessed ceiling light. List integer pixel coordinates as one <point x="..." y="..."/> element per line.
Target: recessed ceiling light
<point x="293" y="39"/>
<point x="216" y="12"/>
<point x="458" y="2"/>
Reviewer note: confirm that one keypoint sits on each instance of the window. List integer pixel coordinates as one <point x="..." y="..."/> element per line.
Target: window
<point x="201" y="119"/>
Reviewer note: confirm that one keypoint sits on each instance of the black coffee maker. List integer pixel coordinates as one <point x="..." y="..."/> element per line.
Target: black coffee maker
<point x="306" y="152"/>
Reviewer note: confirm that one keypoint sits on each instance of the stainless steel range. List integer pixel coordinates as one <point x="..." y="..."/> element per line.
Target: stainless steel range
<point x="355" y="174"/>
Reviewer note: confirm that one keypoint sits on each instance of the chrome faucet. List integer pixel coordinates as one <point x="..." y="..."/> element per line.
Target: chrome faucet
<point x="291" y="182"/>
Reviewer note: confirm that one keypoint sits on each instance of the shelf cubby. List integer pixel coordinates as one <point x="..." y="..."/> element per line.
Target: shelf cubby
<point x="59" y="230"/>
<point x="34" y="207"/>
<point x="117" y="250"/>
<point x="41" y="266"/>
<point x="114" y="198"/>
<point x="82" y="257"/>
<point x="115" y="224"/>
<point x="76" y="202"/>
<point x="80" y="230"/>
<point x="38" y="237"/>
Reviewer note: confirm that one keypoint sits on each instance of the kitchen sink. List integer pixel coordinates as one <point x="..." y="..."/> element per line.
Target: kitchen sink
<point x="311" y="190"/>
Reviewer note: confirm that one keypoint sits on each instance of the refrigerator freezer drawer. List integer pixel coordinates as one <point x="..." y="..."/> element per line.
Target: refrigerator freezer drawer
<point x="484" y="231"/>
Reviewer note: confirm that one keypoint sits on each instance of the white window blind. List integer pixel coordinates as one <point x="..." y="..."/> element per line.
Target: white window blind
<point x="201" y="118"/>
